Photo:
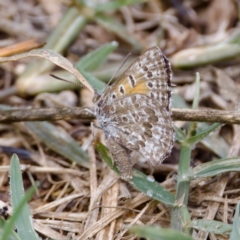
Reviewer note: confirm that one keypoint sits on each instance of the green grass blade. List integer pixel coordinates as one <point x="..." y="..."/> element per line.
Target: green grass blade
<point x="180" y="212"/>
<point x="12" y="235"/>
<point x="235" y="234"/>
<point x="155" y="233"/>
<point x="192" y="129"/>
<point x="202" y="134"/>
<point x="110" y="24"/>
<point x="203" y="55"/>
<point x="62" y="36"/>
<point x="59" y="141"/>
<point x="66" y="31"/>
<point x="21" y="218"/>
<point x="211" y="226"/>
<point x="114" y="5"/>
<point x="153" y="189"/>
<point x="178" y="101"/>
<point x="216" y="167"/>
<point x="140" y="181"/>
<point x="180" y="135"/>
<point x="94" y="82"/>
<point x="94" y="59"/>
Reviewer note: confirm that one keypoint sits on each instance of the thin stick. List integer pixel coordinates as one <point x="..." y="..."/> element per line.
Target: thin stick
<point x="53" y="114"/>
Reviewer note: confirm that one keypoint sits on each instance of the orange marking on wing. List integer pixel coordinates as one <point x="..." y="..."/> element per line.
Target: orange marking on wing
<point x="140" y="86"/>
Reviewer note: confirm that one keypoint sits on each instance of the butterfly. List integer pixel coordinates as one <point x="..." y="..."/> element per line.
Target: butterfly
<point x="134" y="112"/>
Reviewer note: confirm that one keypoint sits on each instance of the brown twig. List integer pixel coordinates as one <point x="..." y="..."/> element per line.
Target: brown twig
<point x="52" y="114"/>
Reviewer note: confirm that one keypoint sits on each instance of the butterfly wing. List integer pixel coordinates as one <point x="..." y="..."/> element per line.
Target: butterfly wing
<point x="134" y="112"/>
<point x="149" y="74"/>
<point x="138" y="122"/>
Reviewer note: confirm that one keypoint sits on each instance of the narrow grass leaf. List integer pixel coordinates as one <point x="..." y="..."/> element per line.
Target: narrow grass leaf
<point x="12" y="235"/>
<point x="235" y="234"/>
<point x="94" y="59"/>
<point x="117" y="28"/>
<point x="59" y="141"/>
<point x="155" y="233"/>
<point x="202" y="134"/>
<point x="179" y="214"/>
<point x="192" y="126"/>
<point x="140" y="181"/>
<point x="114" y="5"/>
<point x="94" y="82"/>
<point x="216" y="167"/>
<point x="178" y="101"/>
<point x="151" y="188"/>
<point x="180" y="135"/>
<point x="21" y="217"/>
<point x="193" y="57"/>
<point x="211" y="226"/>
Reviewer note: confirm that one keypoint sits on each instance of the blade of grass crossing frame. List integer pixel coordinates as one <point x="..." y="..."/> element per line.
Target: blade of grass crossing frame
<point x="94" y="59"/>
<point x="114" y="5"/>
<point x="235" y="234"/>
<point x="21" y="217"/>
<point x="11" y="234"/>
<point x="211" y="226"/>
<point x="199" y="136"/>
<point x="156" y="233"/>
<point x="216" y="167"/>
<point x="110" y="24"/>
<point x="140" y="181"/>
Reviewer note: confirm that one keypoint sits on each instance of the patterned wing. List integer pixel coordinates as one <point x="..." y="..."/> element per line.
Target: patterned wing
<point x="149" y="74"/>
<point x="138" y="122"/>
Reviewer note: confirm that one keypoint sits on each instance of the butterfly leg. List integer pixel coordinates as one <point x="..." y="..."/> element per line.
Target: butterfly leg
<point x="121" y="156"/>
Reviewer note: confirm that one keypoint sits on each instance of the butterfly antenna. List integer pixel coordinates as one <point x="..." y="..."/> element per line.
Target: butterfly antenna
<point x="114" y="75"/>
<point x="124" y="61"/>
<point x="64" y="80"/>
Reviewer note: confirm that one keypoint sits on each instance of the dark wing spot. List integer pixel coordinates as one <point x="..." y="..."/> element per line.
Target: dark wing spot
<point x="148" y="132"/>
<point x="168" y="70"/>
<point x="114" y="96"/>
<point x="149" y="74"/>
<point x="136" y="117"/>
<point x="125" y="119"/>
<point x="153" y="118"/>
<point x="133" y="82"/>
<point x="149" y="111"/>
<point x="142" y="144"/>
<point x="145" y="68"/>
<point x="150" y="85"/>
<point x="122" y="90"/>
<point x="147" y="125"/>
<point x="99" y="103"/>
